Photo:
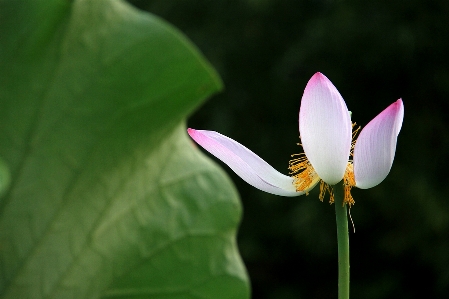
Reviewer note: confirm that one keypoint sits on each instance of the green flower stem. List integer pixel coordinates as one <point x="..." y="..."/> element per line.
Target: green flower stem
<point x="343" y="243"/>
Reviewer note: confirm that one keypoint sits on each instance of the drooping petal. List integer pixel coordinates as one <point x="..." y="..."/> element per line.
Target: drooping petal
<point x="245" y="163"/>
<point x="376" y="145"/>
<point x="325" y="129"/>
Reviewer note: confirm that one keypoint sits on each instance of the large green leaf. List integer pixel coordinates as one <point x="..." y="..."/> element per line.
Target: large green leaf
<point x="103" y="194"/>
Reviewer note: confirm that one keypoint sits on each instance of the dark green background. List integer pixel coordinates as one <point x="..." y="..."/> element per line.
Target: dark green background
<point x="374" y="52"/>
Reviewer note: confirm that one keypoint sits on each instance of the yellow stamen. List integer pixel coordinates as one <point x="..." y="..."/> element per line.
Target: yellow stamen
<point x="324" y="187"/>
<point x="354" y="139"/>
<point x="303" y="173"/>
<point x="348" y="183"/>
<point x="348" y="178"/>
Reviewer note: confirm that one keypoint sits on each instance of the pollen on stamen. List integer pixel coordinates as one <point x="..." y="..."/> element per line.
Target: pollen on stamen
<point x="348" y="178"/>
<point x="303" y="173"/>
<point x="348" y="183"/>
<point x="326" y="188"/>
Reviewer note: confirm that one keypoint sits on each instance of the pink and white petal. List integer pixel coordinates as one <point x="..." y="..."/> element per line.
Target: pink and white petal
<point x="325" y="128"/>
<point x="246" y="164"/>
<point x="376" y="145"/>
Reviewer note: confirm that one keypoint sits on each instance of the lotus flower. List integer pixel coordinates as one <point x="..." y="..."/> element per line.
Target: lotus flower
<point x="326" y="133"/>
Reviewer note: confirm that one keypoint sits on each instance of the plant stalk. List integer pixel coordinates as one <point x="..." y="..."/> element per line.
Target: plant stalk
<point x="343" y="242"/>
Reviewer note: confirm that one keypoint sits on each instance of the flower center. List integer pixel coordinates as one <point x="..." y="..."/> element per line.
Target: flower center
<point x="305" y="177"/>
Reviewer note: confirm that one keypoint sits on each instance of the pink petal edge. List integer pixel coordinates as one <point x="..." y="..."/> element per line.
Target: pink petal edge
<point x="376" y="146"/>
<point x="246" y="164"/>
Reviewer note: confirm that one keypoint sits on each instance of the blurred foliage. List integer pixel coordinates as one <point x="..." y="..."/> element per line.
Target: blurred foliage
<point x="103" y="193"/>
<point x="374" y="52"/>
